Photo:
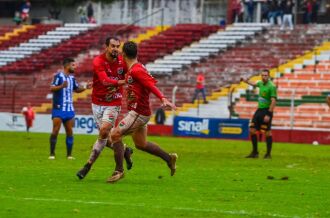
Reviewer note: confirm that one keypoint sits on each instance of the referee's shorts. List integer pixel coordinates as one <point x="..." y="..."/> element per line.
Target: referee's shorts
<point x="258" y="120"/>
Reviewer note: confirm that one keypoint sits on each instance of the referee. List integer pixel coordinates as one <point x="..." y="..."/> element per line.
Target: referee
<point x="262" y="118"/>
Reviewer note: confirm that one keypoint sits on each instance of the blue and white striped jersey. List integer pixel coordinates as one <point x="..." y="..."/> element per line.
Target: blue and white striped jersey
<point x="62" y="99"/>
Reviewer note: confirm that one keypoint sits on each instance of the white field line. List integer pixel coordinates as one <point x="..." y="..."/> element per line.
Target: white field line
<point x="207" y="210"/>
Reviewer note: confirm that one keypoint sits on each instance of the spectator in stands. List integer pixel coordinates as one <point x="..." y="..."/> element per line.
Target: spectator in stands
<point x="25" y="11"/>
<point x="262" y="118"/>
<point x="265" y="6"/>
<point x="160" y="116"/>
<point x="288" y="15"/>
<point x="200" y="87"/>
<point x="237" y="11"/>
<point x="309" y="11"/>
<point x="305" y="11"/>
<point x="81" y="10"/>
<point x="250" y="5"/>
<point x="63" y="86"/>
<point x="17" y="18"/>
<point x="90" y="13"/>
<point x="315" y="10"/>
<point x="29" y="116"/>
<point x="274" y="14"/>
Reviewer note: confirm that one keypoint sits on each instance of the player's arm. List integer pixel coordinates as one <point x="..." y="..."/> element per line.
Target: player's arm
<point x="149" y="82"/>
<point x="103" y="77"/>
<point x="83" y="87"/>
<point x="165" y="102"/>
<point x="54" y="88"/>
<point x="248" y="82"/>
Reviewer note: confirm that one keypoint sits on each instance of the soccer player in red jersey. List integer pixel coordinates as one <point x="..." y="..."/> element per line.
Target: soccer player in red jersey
<point x="140" y="85"/>
<point x="108" y="79"/>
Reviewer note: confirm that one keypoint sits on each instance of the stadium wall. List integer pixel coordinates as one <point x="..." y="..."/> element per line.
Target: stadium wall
<point x="86" y="125"/>
<point x="280" y="135"/>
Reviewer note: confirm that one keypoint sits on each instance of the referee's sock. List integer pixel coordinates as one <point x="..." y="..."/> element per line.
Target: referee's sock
<point x="254" y="140"/>
<point x="269" y="142"/>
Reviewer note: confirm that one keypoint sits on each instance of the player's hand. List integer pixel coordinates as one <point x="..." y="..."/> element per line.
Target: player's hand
<point x="266" y="119"/>
<point x="89" y="85"/>
<point x="167" y="104"/>
<point x="65" y="84"/>
<point x="121" y="82"/>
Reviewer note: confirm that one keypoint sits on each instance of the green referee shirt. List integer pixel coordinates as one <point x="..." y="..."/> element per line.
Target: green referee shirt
<point x="266" y="92"/>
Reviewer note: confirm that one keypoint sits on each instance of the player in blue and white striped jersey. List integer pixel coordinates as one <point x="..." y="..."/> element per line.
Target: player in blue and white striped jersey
<point x="63" y="86"/>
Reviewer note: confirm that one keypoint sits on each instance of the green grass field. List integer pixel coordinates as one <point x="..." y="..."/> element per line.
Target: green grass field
<point x="213" y="180"/>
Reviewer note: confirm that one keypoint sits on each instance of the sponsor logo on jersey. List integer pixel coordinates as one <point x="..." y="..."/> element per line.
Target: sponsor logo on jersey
<point x="120" y="71"/>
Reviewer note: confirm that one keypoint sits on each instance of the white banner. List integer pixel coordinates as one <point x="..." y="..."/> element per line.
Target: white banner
<point x="84" y="124"/>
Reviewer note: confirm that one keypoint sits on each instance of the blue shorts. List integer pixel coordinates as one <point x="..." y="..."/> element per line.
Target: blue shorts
<point x="63" y="115"/>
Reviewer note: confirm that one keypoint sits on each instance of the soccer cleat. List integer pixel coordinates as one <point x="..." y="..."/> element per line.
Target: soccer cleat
<point x="70" y="158"/>
<point x="51" y="157"/>
<point x="267" y="156"/>
<point x="172" y="163"/>
<point x="117" y="175"/>
<point x="83" y="172"/>
<point x="253" y="155"/>
<point x="127" y="155"/>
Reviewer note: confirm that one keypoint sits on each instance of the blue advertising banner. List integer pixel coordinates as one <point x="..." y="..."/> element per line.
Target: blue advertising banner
<point x="211" y="127"/>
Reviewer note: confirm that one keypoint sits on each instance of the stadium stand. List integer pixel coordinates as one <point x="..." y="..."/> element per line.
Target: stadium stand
<point x="305" y="89"/>
<point x="25" y="33"/>
<point x="30" y="82"/>
<point x="269" y="50"/>
<point x="211" y="45"/>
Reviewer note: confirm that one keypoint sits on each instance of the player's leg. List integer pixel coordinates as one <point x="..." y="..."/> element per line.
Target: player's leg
<point x="139" y="137"/>
<point x="68" y="124"/>
<point x="125" y="127"/>
<point x="118" y="150"/>
<point x="128" y="152"/>
<point x="101" y="118"/>
<point x="53" y="137"/>
<point x="254" y="126"/>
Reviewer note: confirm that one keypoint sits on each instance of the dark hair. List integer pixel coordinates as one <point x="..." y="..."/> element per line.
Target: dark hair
<point x="266" y="70"/>
<point x="130" y="49"/>
<point x="107" y="40"/>
<point x="67" y="61"/>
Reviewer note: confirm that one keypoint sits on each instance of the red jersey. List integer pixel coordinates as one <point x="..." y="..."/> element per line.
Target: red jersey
<point x="106" y="91"/>
<point x="140" y="84"/>
<point x="200" y="81"/>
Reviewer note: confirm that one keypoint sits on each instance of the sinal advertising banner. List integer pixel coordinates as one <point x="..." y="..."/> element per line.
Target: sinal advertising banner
<point x="211" y="128"/>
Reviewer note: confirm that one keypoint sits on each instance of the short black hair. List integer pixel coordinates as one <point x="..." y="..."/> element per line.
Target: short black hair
<point x="130" y="49"/>
<point x="107" y="40"/>
<point x="266" y="70"/>
<point x="67" y="61"/>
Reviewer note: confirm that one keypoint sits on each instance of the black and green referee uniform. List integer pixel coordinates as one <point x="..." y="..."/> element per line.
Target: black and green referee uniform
<point x="266" y="93"/>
